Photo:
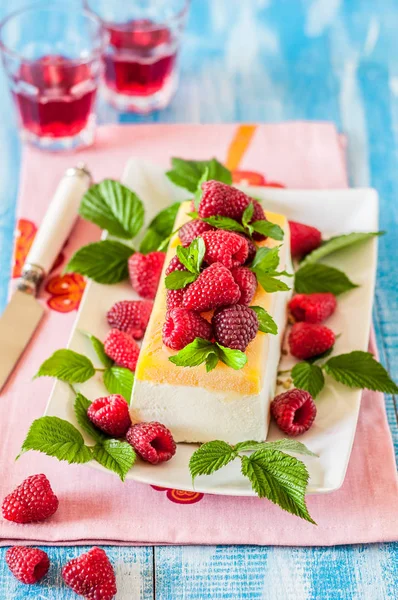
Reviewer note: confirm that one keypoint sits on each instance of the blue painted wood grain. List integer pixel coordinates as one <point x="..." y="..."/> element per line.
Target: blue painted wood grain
<point x="264" y="60"/>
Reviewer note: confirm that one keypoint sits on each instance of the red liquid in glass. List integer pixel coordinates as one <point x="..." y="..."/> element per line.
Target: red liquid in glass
<point x="140" y="59"/>
<point x="54" y="98"/>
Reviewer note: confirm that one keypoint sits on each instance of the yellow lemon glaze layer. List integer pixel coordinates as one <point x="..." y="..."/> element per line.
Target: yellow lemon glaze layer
<point x="153" y="364"/>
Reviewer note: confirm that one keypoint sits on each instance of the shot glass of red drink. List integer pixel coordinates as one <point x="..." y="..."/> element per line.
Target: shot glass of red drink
<point x="140" y="59"/>
<point x="51" y="53"/>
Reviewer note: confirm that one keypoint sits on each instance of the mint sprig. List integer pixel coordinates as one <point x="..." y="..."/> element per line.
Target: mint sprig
<point x="201" y="351"/>
<point x="191" y="258"/>
<point x="159" y="229"/>
<point x="264" y="267"/>
<point x="266" y="228"/>
<point x="314" y="277"/>
<point x="337" y="243"/>
<point x="266" y="323"/>
<point x="187" y="173"/>
<point x="67" y="365"/>
<point x="104" y="262"/>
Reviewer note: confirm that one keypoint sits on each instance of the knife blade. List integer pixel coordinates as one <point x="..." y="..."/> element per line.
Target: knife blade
<point x="24" y="312"/>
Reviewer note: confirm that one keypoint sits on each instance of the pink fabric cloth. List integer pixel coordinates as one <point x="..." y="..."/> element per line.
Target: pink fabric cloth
<point x="96" y="507"/>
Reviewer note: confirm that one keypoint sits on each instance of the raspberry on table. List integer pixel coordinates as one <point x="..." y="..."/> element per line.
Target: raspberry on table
<point x="91" y="575"/>
<point x="225" y="247"/>
<point x="145" y="271"/>
<point x="182" y="326"/>
<point x="33" y="500"/>
<point x="294" y="411"/>
<point x="235" y="326"/>
<point x="309" y="339"/>
<point x="131" y="316"/>
<point x="110" y="414"/>
<point x="122" y="348"/>
<point x="214" y="287"/>
<point x="312" y="308"/>
<point x="27" y="564"/>
<point x="303" y="239"/>
<point x="192" y="230"/>
<point x="152" y="441"/>
<point x="222" y="199"/>
<point x="247" y="282"/>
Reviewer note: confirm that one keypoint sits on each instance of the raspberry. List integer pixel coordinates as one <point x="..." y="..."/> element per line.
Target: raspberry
<point x="152" y="441"/>
<point x="247" y="282"/>
<point x="294" y="411"/>
<point x="303" y="239"/>
<point x="174" y="298"/>
<point x="214" y="287"/>
<point x="33" y="500"/>
<point x="28" y="565"/>
<point x="252" y="249"/>
<point x="131" y="316"/>
<point x="145" y="271"/>
<point x="192" y="230"/>
<point x="235" y="326"/>
<point x="225" y="247"/>
<point x="174" y="265"/>
<point x="308" y="339"/>
<point x="312" y="308"/>
<point x="110" y="414"/>
<point x="221" y="199"/>
<point x="182" y="326"/>
<point x="91" y="575"/>
<point x="122" y="348"/>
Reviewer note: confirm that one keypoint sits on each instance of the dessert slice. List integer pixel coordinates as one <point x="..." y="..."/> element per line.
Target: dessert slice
<point x="226" y="404"/>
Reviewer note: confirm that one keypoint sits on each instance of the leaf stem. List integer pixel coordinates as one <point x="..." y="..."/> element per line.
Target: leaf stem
<point x="285" y="372"/>
<point x="100" y="370"/>
<point x="72" y="388"/>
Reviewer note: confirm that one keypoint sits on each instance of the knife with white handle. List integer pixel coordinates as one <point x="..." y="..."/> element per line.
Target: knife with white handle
<point x="24" y="312"/>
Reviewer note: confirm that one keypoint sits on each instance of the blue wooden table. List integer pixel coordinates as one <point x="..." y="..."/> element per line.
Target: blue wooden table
<point x="264" y="60"/>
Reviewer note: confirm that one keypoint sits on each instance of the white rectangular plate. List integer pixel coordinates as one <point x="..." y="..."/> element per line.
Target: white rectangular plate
<point x="332" y="435"/>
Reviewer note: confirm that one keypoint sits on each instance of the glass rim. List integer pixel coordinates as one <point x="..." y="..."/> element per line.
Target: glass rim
<point x="93" y="53"/>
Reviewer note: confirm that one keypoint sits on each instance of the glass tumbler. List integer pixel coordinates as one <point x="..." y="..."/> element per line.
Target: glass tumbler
<point x="140" y="60"/>
<point x="52" y="57"/>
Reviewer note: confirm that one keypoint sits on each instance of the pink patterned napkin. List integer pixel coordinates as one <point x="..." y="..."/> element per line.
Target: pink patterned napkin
<point x="96" y="507"/>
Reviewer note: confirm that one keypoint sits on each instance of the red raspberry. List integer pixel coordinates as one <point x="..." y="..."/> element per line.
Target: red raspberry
<point x="235" y="326"/>
<point x="221" y="199"/>
<point x="308" y="339"/>
<point x="174" y="298"/>
<point x="303" y="239"/>
<point x="258" y="215"/>
<point x="312" y="308"/>
<point x="110" y="414"/>
<point x="247" y="282"/>
<point x="122" y="348"/>
<point x="252" y="249"/>
<point x="225" y="247"/>
<point x="174" y="265"/>
<point x="294" y="411"/>
<point x="182" y="326"/>
<point x="214" y="287"/>
<point x="31" y="501"/>
<point x="145" y="271"/>
<point x="91" y="575"/>
<point x="28" y="565"/>
<point x="192" y="230"/>
<point x="131" y="316"/>
<point x="152" y="441"/>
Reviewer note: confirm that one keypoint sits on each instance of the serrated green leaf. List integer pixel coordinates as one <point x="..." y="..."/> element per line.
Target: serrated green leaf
<point x="271" y="284"/>
<point x="211" y="361"/>
<point x="247" y="215"/>
<point x="179" y="279"/>
<point x="113" y="207"/>
<point x="266" y="323"/>
<point x="266" y="259"/>
<point x="119" y="380"/>
<point x="279" y="477"/>
<point x="159" y="229"/>
<point x="99" y="349"/>
<point x="115" y="455"/>
<point x="68" y="366"/>
<point x="211" y="457"/>
<point x="287" y="445"/>
<point x="104" y="262"/>
<point x="55" y="437"/>
<point x="315" y="277"/>
<point x="198" y="194"/>
<point x="81" y="406"/>
<point x="224" y="223"/>
<point x="236" y="359"/>
<point x="187" y="173"/>
<point x="268" y="229"/>
<point x="193" y="354"/>
<point x="339" y="242"/>
<point x="360" y="370"/>
<point x="192" y="256"/>
<point x="151" y="241"/>
<point x="309" y="377"/>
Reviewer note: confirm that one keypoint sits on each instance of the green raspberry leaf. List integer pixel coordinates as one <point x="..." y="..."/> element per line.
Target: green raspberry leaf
<point x="266" y="259"/>
<point x="55" y="437"/>
<point x="266" y="323"/>
<point x="113" y="207"/>
<point x="314" y="277"/>
<point x="236" y="359"/>
<point x="285" y="445"/>
<point x="309" y="377"/>
<point x="119" y="380"/>
<point x="225" y="223"/>
<point x="159" y="229"/>
<point x="281" y="478"/>
<point x="99" y="349"/>
<point x="339" y="242"/>
<point x="116" y="456"/>
<point x="81" y="407"/>
<point x="270" y="283"/>
<point x="104" y="262"/>
<point x="211" y="457"/>
<point x="179" y="279"/>
<point x="187" y="173"/>
<point x="360" y="370"/>
<point x="268" y="229"/>
<point x="193" y="354"/>
<point x="67" y="365"/>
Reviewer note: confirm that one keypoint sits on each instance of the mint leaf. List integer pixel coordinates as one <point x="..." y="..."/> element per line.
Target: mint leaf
<point x="67" y="365"/>
<point x="104" y="262"/>
<point x="247" y="216"/>
<point x="55" y="437"/>
<point x="266" y="323"/>
<point x="211" y="457"/>
<point x="99" y="349"/>
<point x="113" y="207"/>
<point x="81" y="407"/>
<point x="268" y="229"/>
<point x="309" y="377"/>
<point x="119" y="380"/>
<point x="315" y="277"/>
<point x="187" y="173"/>
<point x="287" y="445"/>
<point x="198" y="194"/>
<point x="224" y="223"/>
<point x="217" y="172"/>
<point x="266" y="259"/>
<point x="360" y="370"/>
<point x="236" y="359"/>
<point x="192" y="257"/>
<point x="211" y="362"/>
<point x="159" y="228"/>
<point x="194" y="354"/>
<point x="337" y="243"/>
<point x="269" y="283"/>
<point x="179" y="279"/>
<point x="116" y="456"/>
<point x="279" y="477"/>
